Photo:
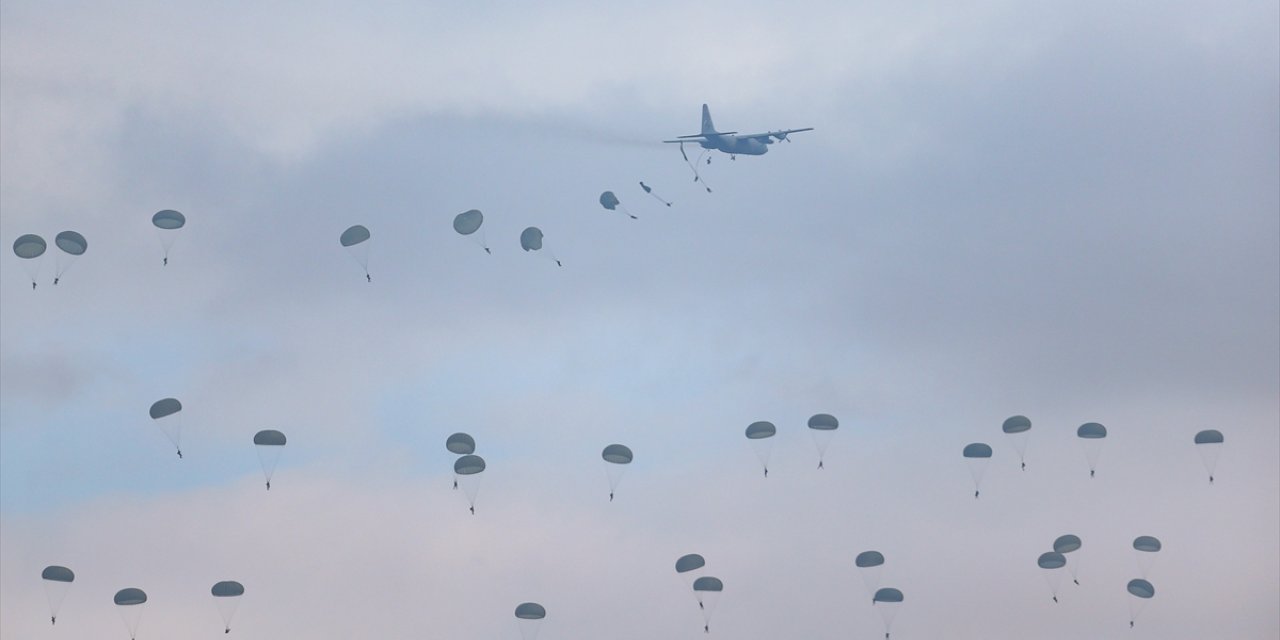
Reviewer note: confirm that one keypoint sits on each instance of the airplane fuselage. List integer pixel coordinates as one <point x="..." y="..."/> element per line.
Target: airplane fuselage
<point x="734" y="145"/>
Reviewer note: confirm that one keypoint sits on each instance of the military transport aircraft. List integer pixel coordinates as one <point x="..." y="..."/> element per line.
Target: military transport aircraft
<point x="730" y="142"/>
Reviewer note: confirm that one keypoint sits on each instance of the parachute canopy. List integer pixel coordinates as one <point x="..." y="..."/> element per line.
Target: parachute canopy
<point x="1091" y="431"/>
<point x="707" y="583"/>
<point x="460" y="443"/>
<point x="887" y="594"/>
<point x="71" y="242"/>
<point x="1052" y="560"/>
<point x="609" y="201"/>
<point x="354" y="235"/>
<point x="690" y="562"/>
<point x="1066" y="544"/>
<point x="467" y="222"/>
<point x="1209" y="436"/>
<point x="869" y="559"/>
<point x="1016" y="424"/>
<point x="758" y="430"/>
<point x="227" y="589"/>
<point x="168" y="219"/>
<point x="1141" y="588"/>
<point x="269" y="437"/>
<point x="130" y="596"/>
<point x="165" y="407"/>
<point x="531" y="239"/>
<point x="530" y="611"/>
<point x="1148" y="544"/>
<point x="58" y="574"/>
<point x="468" y="465"/>
<point x="29" y="246"/>
<point x="823" y="422"/>
<point x="977" y="450"/>
<point x="617" y="454"/>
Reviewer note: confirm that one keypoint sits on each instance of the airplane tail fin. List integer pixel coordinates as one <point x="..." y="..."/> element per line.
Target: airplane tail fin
<point x="707" y="127"/>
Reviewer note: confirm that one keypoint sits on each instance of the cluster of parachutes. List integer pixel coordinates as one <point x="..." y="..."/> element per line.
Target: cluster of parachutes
<point x="166" y="413"/>
<point x="1054" y="562"/>
<point x="706" y="589"/>
<point x="1091" y="436"/>
<point x="870" y="565"/>
<point x="30" y="247"/>
<point x="467" y="468"/>
<point x="129" y="601"/>
<point x="822" y="426"/>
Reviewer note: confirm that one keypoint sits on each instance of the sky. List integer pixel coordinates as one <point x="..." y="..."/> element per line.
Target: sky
<point x="1063" y="210"/>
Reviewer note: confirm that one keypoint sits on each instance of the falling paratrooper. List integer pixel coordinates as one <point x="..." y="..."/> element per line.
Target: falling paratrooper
<point x="611" y="202"/>
<point x="649" y="190"/>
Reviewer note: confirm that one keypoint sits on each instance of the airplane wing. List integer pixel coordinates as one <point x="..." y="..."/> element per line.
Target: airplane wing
<point x="700" y="136"/>
<point x="777" y="135"/>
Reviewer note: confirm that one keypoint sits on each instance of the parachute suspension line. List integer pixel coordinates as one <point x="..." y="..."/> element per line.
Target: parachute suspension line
<point x="624" y="210"/>
<point x="693" y="167"/>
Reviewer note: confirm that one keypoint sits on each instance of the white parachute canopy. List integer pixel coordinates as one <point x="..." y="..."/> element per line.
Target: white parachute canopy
<point x="129" y="602"/>
<point x="823" y="427"/>
<point x="269" y="443"/>
<point x="978" y="454"/>
<point x="617" y="458"/>
<point x="760" y="434"/>
<point x="529" y="616"/>
<point x="167" y="414"/>
<point x="356" y="240"/>
<point x="226" y="595"/>
<point x="73" y="245"/>
<point x="29" y="248"/>
<point x="57" y="582"/>
<point x="1018" y="428"/>
<point x="1209" y="444"/>
<point x="167" y="223"/>
<point x="468" y="223"/>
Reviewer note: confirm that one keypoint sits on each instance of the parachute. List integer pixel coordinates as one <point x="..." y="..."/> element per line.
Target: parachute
<point x="57" y="582"/>
<point x="356" y="240"/>
<point x="167" y="414"/>
<point x="649" y="190"/>
<point x="1052" y="562"/>
<point x="270" y="443"/>
<point x="531" y="240"/>
<point x="610" y="202"/>
<point x="1209" y="444"/>
<point x="761" y="436"/>
<point x="73" y="245"/>
<point x="226" y="595"/>
<point x="129" y="602"/>
<point x="617" y="457"/>
<point x="707" y="590"/>
<point x="461" y="444"/>
<point x="978" y="454"/>
<point x="529" y="616"/>
<point x="167" y="223"/>
<point x="468" y="470"/>
<point x="1146" y="547"/>
<point x="690" y="562"/>
<point x="888" y="601"/>
<point x="870" y="564"/>
<point x="823" y="426"/>
<point x="693" y="166"/>
<point x="1067" y="544"/>
<point x="29" y="247"/>
<point x="1091" y="435"/>
<point x="1142" y="591"/>
<point x="1018" y="428"/>
<point x="467" y="223"/>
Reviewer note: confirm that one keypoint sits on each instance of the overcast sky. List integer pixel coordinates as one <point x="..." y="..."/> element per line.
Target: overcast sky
<point x="1069" y="211"/>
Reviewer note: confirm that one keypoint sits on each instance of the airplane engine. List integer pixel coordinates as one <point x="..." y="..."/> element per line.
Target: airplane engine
<point x="780" y="136"/>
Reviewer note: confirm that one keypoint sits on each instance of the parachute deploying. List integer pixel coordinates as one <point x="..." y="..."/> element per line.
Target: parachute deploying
<point x="888" y="601"/>
<point x="1091" y="435"/>
<point x="978" y="454"/>
<point x="610" y="202"/>
<point x="467" y="223"/>
<point x="269" y="443"/>
<point x="57" y="582"/>
<point x="649" y="190"/>
<point x="28" y="248"/>
<point x="167" y="223"/>
<point x="760" y="434"/>
<point x="356" y="240"/>
<point x="617" y="458"/>
<point x="823" y="426"/>
<point x="1209" y="444"/>
<point x="529" y="616"/>
<point x="531" y="240"/>
<point x="73" y="245"/>
<point x="468" y="469"/>
<point x="226" y="595"/>
<point x="129" y="602"/>
<point x="167" y="414"/>
<point x="707" y="589"/>
<point x="1018" y="428"/>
